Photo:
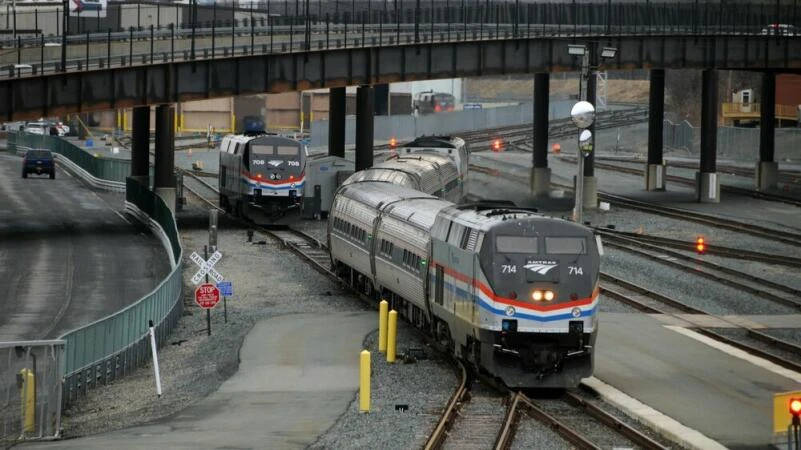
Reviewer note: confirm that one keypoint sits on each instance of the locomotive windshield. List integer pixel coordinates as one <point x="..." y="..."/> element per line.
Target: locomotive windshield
<point x="516" y="244"/>
<point x="566" y="245"/>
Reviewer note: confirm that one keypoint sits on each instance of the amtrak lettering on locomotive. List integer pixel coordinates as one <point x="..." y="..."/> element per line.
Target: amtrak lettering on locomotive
<point x="513" y="292"/>
<point x="261" y="177"/>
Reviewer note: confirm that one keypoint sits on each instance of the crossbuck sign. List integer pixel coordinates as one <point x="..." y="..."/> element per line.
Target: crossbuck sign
<point x="206" y="267"/>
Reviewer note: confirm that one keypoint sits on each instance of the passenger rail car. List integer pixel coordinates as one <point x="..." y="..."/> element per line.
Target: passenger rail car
<point x="451" y="146"/>
<point x="431" y="173"/>
<point x="261" y="176"/>
<point x="512" y="292"/>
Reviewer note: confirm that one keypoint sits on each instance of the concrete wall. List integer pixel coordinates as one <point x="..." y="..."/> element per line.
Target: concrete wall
<point x="405" y="127"/>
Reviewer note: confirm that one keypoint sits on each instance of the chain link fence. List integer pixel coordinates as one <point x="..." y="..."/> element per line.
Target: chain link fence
<point x="30" y="390"/>
<point x="733" y="143"/>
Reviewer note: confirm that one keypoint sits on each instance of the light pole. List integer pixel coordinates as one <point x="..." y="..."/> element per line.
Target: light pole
<point x="583" y="115"/>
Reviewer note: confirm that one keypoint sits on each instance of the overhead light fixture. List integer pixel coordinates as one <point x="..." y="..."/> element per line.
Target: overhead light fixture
<point x="608" y="52"/>
<point x="575" y="49"/>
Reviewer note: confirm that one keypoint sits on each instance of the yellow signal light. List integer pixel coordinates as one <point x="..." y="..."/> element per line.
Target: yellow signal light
<point x="700" y="245"/>
<point x="795" y="406"/>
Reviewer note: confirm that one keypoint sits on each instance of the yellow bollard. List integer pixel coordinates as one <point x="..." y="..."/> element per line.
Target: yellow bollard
<point x="382" y="326"/>
<point x="391" y="334"/>
<point x="364" y="381"/>
<point x="28" y="396"/>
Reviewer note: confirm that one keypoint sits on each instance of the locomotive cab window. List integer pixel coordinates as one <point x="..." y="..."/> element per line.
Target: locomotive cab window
<point x="516" y="244"/>
<point x="565" y="245"/>
<point x="285" y="150"/>
<point x="260" y="150"/>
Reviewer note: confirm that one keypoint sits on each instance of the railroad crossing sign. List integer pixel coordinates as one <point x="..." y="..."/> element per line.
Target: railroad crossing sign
<point x="206" y="267"/>
<point x="207" y="296"/>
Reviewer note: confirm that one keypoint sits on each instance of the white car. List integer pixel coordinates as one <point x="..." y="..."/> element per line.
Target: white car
<point x="781" y="29"/>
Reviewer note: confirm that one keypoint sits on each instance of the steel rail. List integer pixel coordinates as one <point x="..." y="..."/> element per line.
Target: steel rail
<point x="438" y="436"/>
<point x="620" y="296"/>
<point x="613" y="422"/>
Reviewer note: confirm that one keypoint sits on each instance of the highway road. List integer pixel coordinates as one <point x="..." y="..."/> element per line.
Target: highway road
<point x="68" y="256"/>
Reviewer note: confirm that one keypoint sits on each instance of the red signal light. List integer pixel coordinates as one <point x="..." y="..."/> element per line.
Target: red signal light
<point x="291" y="177"/>
<point x="437" y="108"/>
<point x="393" y="142"/>
<point x="700" y="245"/>
<point x="496" y="145"/>
<point x="795" y="406"/>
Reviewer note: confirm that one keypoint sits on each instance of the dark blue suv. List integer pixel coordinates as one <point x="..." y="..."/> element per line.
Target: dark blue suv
<point x="38" y="162"/>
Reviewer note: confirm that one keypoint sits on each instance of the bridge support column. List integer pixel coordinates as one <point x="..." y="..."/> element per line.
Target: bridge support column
<point x="540" y="172"/>
<point x="655" y="173"/>
<point x="140" y="145"/>
<point x="336" y="121"/>
<point x="364" y="127"/>
<point x="164" y="182"/>
<point x="767" y="170"/>
<point x="590" y="192"/>
<point x="707" y="183"/>
<point x="381" y="99"/>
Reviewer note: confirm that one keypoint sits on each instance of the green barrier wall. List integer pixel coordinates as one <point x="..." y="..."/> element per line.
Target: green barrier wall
<point x="111" y="169"/>
<point x="110" y="347"/>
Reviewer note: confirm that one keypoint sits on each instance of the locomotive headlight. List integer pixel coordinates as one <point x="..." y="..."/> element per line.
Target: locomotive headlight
<point x="536" y="296"/>
<point x="549" y="295"/>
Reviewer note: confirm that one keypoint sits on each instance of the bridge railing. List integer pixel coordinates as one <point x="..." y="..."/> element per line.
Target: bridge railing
<point x="116" y="344"/>
<point x="172" y="33"/>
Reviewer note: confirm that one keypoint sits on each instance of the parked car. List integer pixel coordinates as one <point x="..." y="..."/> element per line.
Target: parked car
<point x="781" y="29"/>
<point x="47" y="127"/>
<point x="39" y="162"/>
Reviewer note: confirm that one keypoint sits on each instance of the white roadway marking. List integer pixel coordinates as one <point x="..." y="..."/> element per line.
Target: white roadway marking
<point x="669" y="427"/>
<point x="737" y="353"/>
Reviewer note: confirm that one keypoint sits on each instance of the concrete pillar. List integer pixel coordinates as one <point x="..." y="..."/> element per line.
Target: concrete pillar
<point x="707" y="183"/>
<point x="767" y="171"/>
<point x="655" y="173"/>
<point x="164" y="178"/>
<point x="336" y="121"/>
<point x="364" y="127"/>
<point x="590" y="193"/>
<point x="540" y="172"/>
<point x="381" y="99"/>
<point x="140" y="145"/>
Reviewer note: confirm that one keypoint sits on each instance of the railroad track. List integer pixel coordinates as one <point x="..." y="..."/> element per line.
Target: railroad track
<point x="769" y="196"/>
<point x="520" y="136"/>
<point x="491" y="417"/>
<point x="760" y="344"/>
<point x="743" y="281"/>
<point x="717" y="250"/>
<point x="773" y="234"/>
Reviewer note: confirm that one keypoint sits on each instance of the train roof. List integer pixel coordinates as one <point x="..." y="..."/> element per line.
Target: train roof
<point x="484" y="216"/>
<point x="436" y="141"/>
<point x="377" y="194"/>
<point x="244" y="138"/>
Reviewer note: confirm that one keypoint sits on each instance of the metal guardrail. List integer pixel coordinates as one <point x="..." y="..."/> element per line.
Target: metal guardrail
<point x="101" y="173"/>
<point x="116" y="344"/>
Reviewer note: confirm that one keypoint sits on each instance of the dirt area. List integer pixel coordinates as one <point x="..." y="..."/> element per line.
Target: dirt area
<point x="618" y="90"/>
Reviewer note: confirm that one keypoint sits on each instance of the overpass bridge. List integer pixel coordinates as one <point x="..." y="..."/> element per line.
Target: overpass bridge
<point x="374" y="44"/>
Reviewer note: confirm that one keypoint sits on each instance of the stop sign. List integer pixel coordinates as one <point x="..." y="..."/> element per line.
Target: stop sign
<point x="207" y="296"/>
